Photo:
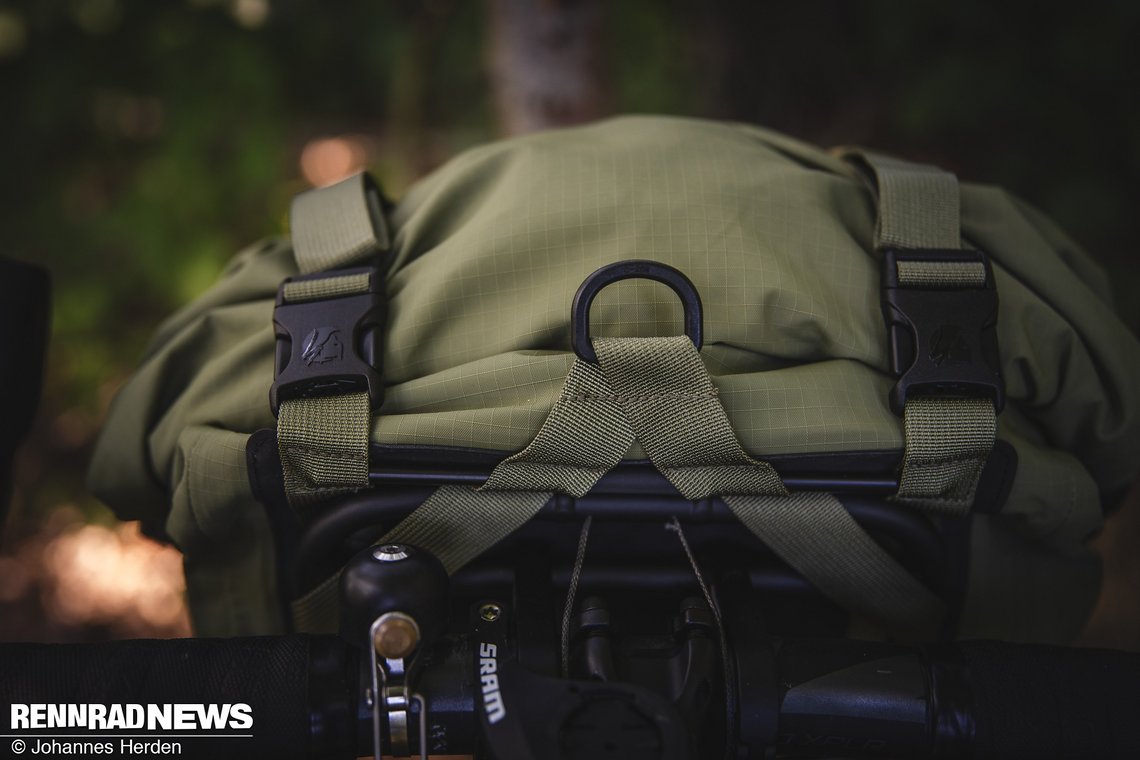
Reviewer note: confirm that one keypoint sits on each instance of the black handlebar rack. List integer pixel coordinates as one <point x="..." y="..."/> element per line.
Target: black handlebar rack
<point x="651" y="670"/>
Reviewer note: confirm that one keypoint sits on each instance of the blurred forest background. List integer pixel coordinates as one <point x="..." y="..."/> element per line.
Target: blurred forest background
<point x="142" y="143"/>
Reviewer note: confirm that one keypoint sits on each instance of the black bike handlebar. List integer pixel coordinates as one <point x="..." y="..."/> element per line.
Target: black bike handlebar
<point x="982" y="699"/>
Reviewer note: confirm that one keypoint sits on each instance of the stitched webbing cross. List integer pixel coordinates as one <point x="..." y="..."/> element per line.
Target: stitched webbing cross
<point x="658" y="391"/>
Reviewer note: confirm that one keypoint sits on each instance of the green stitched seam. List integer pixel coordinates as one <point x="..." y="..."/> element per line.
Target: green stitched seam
<point x="586" y="396"/>
<point x="292" y="448"/>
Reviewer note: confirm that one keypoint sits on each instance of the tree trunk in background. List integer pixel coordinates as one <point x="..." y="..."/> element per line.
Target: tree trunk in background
<point x="548" y="63"/>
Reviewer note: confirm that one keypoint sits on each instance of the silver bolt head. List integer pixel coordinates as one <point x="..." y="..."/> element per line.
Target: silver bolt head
<point x="390" y="553"/>
<point x="490" y="612"/>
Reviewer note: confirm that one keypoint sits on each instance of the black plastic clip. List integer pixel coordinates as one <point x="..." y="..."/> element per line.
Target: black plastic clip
<point x="329" y="346"/>
<point x="943" y="339"/>
<point x="627" y="270"/>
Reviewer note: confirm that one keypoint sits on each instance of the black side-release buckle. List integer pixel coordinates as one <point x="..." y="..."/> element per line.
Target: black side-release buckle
<point x="329" y="346"/>
<point x="943" y="339"/>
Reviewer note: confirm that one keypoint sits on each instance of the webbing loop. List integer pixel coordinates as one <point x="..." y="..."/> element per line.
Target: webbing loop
<point x="338" y="225"/>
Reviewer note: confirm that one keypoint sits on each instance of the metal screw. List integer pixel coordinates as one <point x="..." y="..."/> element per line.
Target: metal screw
<point x="395" y="635"/>
<point x="490" y="612"/>
<point x="390" y="553"/>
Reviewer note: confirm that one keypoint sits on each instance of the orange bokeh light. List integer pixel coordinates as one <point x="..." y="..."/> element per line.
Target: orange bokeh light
<point x="331" y="159"/>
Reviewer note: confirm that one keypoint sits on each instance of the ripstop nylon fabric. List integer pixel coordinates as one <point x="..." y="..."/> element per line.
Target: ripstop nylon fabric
<point x="917" y="206"/>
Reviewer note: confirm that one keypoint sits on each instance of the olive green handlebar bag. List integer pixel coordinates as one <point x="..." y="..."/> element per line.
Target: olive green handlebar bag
<point x="784" y="243"/>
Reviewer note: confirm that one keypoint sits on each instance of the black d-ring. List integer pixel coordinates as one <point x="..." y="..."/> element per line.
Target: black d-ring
<point x="629" y="270"/>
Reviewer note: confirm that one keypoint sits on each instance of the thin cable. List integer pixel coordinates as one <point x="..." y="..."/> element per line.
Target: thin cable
<point x="729" y="694"/>
<point x="568" y="610"/>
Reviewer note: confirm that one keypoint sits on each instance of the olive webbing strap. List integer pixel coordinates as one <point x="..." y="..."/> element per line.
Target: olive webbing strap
<point x="338" y="225"/>
<point x="817" y="537"/>
<point x="455" y="523"/>
<point x="917" y="203"/>
<point x="947" y="438"/>
<point x="584" y="437"/>
<point x="300" y="291"/>
<point x="324" y="441"/>
<point x="941" y="275"/>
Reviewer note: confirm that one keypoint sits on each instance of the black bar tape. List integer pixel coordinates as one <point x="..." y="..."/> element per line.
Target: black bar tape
<point x="1052" y="702"/>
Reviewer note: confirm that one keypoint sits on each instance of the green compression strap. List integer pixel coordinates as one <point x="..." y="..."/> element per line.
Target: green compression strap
<point x="338" y="225"/>
<point x="324" y="441"/>
<point x="947" y="438"/>
<point x="324" y="288"/>
<point x="817" y="536"/>
<point x="323" y="444"/>
<point x="582" y="439"/>
<point x="917" y="203"/>
<point x="654" y="388"/>
<point x="941" y="275"/>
